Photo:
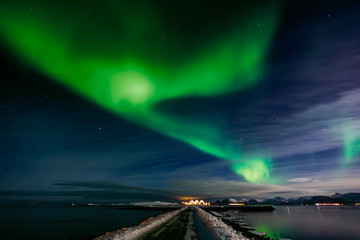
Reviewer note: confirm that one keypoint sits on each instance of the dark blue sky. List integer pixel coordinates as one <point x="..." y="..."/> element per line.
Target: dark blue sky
<point x="55" y="145"/>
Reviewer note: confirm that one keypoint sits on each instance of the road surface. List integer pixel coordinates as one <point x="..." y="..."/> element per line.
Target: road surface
<point x="185" y="225"/>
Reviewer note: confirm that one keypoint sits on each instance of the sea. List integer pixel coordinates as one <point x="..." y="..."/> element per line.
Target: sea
<point x="308" y="222"/>
<point x="87" y="222"/>
<point x="66" y="223"/>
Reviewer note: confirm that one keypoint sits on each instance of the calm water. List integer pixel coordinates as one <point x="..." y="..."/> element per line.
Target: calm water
<point x="309" y="222"/>
<point x="63" y="223"/>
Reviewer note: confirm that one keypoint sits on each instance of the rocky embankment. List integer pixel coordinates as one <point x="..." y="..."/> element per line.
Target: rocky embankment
<point x="141" y="230"/>
<point x="190" y="223"/>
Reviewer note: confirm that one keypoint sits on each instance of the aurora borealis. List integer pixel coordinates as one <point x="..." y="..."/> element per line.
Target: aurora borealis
<point x="123" y="79"/>
<point x="258" y="96"/>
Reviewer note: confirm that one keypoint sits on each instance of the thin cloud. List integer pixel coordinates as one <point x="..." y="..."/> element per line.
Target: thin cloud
<point x="299" y="180"/>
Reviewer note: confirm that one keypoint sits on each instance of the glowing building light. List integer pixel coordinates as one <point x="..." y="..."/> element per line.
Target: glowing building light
<point x="197" y="202"/>
<point x="328" y="204"/>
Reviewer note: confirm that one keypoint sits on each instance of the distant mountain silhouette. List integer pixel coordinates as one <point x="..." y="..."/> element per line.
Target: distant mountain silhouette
<point x="347" y="198"/>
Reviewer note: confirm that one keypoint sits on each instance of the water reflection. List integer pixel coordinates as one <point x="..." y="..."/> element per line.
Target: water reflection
<point x="309" y="222"/>
<point x="319" y="211"/>
<point x="288" y="210"/>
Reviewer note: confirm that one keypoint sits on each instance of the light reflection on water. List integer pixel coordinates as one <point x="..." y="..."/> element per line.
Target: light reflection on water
<point x="308" y="222"/>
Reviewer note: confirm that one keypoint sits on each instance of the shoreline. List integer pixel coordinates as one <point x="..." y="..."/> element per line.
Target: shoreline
<point x="180" y="219"/>
<point x="247" y="208"/>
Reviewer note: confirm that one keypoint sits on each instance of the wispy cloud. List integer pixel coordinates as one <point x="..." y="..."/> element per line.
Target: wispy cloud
<point x="299" y="180"/>
<point x="218" y="188"/>
<point x="318" y="128"/>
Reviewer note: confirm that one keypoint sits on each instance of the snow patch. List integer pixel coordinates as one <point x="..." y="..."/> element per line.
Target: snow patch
<point x="156" y="203"/>
<point x="137" y="232"/>
<point x="218" y="227"/>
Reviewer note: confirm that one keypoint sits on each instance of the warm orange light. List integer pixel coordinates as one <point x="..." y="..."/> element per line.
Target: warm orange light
<point x="328" y="204"/>
<point x="197" y="202"/>
<point x="236" y="204"/>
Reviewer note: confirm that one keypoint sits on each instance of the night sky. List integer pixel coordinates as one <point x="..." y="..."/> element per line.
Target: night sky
<point x="122" y="101"/>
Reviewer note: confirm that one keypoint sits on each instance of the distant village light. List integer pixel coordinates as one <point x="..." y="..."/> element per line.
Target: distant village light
<point x="197" y="202"/>
<point x="236" y="204"/>
<point x="328" y="204"/>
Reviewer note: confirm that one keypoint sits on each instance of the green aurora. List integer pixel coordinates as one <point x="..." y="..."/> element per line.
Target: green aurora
<point x="135" y="57"/>
<point x="351" y="148"/>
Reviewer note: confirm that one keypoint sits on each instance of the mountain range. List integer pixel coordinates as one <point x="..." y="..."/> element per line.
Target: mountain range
<point x="347" y="198"/>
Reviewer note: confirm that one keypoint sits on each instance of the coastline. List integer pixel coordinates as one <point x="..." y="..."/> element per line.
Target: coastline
<point x="181" y="220"/>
